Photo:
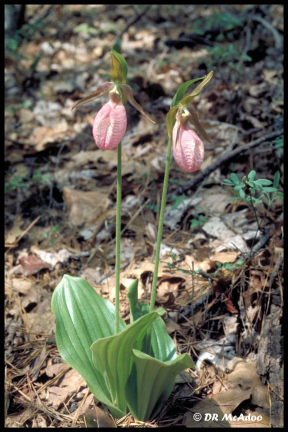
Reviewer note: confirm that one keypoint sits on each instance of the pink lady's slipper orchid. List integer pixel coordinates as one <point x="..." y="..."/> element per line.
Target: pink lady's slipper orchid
<point x="110" y="123"/>
<point x="188" y="148"/>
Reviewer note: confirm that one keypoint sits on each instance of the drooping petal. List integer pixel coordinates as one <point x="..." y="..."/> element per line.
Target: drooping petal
<point x="129" y="95"/>
<point x="109" y="126"/>
<point x="193" y="118"/>
<point x="188" y="149"/>
<point x="104" y="88"/>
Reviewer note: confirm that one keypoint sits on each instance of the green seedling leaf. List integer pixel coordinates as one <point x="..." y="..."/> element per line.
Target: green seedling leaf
<point x="228" y="266"/>
<point x="238" y="187"/>
<point x="241" y="193"/>
<point x="234" y="178"/>
<point x="269" y="189"/>
<point x="112" y="357"/>
<point x="276" y="179"/>
<point x="151" y="382"/>
<point x="263" y="182"/>
<point x="279" y="194"/>
<point x="179" y="95"/>
<point x="251" y="175"/>
<point x="228" y="182"/>
<point x="83" y="317"/>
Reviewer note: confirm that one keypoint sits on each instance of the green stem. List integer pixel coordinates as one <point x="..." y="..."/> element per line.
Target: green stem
<point x="118" y="237"/>
<point x="160" y="226"/>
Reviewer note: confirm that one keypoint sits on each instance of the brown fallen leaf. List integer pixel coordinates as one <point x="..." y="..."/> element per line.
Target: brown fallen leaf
<point x="89" y="207"/>
<point x="32" y="264"/>
<point x="97" y="418"/>
<point x="216" y="412"/>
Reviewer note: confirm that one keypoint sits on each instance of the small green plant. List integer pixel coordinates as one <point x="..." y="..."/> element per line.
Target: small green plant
<point x="21" y="183"/>
<point x="226" y="54"/>
<point x="178" y="199"/>
<point x="85" y="29"/>
<point x="248" y="187"/>
<point x="16" y="183"/>
<point x="52" y="236"/>
<point x="200" y="221"/>
<point x="279" y="143"/>
<point x="253" y="191"/>
<point x="224" y="21"/>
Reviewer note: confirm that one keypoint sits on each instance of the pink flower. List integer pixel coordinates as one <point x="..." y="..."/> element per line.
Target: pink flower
<point x="110" y="125"/>
<point x="188" y="149"/>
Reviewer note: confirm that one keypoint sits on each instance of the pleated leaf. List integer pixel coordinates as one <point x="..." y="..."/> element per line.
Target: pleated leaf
<point x="83" y="317"/>
<point x="151" y="382"/>
<point x="156" y="343"/>
<point x="112" y="357"/>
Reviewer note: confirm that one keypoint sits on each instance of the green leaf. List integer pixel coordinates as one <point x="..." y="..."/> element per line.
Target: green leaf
<point x="156" y="342"/>
<point x="228" y="266"/>
<point x="279" y="194"/>
<point x="83" y="317"/>
<point x="263" y="182"/>
<point x="238" y="187"/>
<point x="112" y="357"/>
<point x="241" y="193"/>
<point x="251" y="175"/>
<point x="181" y="91"/>
<point x="151" y="382"/>
<point x="234" y="178"/>
<point x="269" y="189"/>
<point x="228" y="182"/>
<point x="276" y="179"/>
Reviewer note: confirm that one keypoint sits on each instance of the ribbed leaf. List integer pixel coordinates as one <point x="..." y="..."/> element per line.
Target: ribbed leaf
<point x="151" y="382"/>
<point x="112" y="357"/>
<point x="83" y="317"/>
<point x="156" y="342"/>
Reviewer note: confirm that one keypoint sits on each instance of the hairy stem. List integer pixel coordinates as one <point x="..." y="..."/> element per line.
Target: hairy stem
<point x="118" y="237"/>
<point x="160" y="226"/>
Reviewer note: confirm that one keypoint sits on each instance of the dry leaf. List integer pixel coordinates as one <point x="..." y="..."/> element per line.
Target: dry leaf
<point x="86" y="207"/>
<point x="32" y="265"/>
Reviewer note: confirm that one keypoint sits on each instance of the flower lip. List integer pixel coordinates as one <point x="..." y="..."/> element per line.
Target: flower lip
<point x="110" y="125"/>
<point x="188" y="149"/>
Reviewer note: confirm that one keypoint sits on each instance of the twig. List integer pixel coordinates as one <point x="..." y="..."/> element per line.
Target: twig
<point x="276" y="268"/>
<point x="19" y="142"/>
<point x="132" y="21"/>
<point x="23" y="234"/>
<point x="225" y="158"/>
<point x="273" y="30"/>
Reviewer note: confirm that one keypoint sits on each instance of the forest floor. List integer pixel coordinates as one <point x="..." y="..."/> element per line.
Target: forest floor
<point x="221" y="272"/>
